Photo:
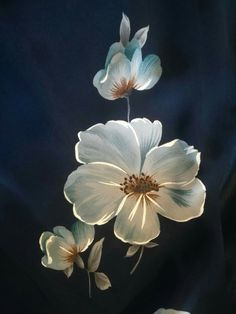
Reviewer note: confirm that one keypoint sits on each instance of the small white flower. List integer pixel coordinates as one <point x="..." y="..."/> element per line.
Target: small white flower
<point x="62" y="247"/>
<point x="126" y="174"/>
<point x="169" y="311"/>
<point x="124" y="68"/>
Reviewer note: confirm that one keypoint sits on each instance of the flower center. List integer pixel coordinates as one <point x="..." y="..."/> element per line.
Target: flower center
<point x="123" y="88"/>
<point x="142" y="184"/>
<point x="71" y="254"/>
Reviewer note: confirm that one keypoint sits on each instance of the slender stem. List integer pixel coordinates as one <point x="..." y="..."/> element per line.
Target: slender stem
<point x="89" y="283"/>
<point x="128" y="108"/>
<point x="138" y="261"/>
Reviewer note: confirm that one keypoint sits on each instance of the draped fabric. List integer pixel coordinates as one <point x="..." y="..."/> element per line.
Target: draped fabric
<point x="49" y="53"/>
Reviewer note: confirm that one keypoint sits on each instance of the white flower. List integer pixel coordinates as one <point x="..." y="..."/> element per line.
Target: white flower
<point x="124" y="68"/>
<point x="126" y="174"/>
<point x="169" y="311"/>
<point x="62" y="247"/>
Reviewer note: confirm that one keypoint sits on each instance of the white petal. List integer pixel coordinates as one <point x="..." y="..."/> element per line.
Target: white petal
<point x="64" y="233"/>
<point x="94" y="189"/>
<point x="43" y="238"/>
<point x="57" y="254"/>
<point x="182" y="202"/>
<point x="115" y="142"/>
<point x="135" y="63"/>
<point x="68" y="271"/>
<point x="119" y="70"/>
<point x="149" y="72"/>
<point x="141" y="35"/>
<point x="169" y="311"/>
<point x="137" y="222"/>
<point x="113" y="50"/>
<point x="172" y="162"/>
<point x="148" y="133"/>
<point x="124" y="29"/>
<point x="83" y="234"/>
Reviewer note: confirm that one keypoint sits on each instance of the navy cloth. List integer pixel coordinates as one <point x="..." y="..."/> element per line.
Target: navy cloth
<point x="49" y="53"/>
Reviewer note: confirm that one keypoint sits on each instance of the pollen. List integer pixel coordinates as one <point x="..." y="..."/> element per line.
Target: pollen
<point x="139" y="184"/>
<point x="123" y="88"/>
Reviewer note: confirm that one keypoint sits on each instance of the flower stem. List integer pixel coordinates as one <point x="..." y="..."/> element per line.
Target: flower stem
<point x="128" y="108"/>
<point x="89" y="283"/>
<point x="138" y="261"/>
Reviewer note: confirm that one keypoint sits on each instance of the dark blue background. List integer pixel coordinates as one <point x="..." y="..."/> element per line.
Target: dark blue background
<point x="49" y="53"/>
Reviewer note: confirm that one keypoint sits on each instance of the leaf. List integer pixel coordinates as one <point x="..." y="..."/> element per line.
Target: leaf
<point x="150" y="245"/>
<point x="95" y="256"/>
<point x="79" y="262"/>
<point x="102" y="281"/>
<point x="132" y="250"/>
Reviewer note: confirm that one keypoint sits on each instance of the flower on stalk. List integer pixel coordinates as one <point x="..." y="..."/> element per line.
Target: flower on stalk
<point x="124" y="68"/>
<point x="126" y="174"/>
<point x="62" y="248"/>
<point x="169" y="311"/>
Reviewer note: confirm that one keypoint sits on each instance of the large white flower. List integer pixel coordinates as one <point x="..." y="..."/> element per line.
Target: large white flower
<point x="169" y="311"/>
<point x="62" y="248"/>
<point x="126" y="174"/>
<point x="124" y="68"/>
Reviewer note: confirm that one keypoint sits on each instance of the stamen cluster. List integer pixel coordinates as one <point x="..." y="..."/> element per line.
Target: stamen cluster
<point x="139" y="184"/>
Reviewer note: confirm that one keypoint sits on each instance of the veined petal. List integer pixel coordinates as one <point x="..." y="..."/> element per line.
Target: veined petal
<point x="116" y="78"/>
<point x="137" y="222"/>
<point x="58" y="254"/>
<point x="113" y="50"/>
<point x="141" y="35"/>
<point x="94" y="189"/>
<point x="148" y="133"/>
<point x="124" y="30"/>
<point x="43" y="239"/>
<point x="173" y="162"/>
<point x="149" y="72"/>
<point x="64" y="233"/>
<point x="83" y="234"/>
<point x="135" y="62"/>
<point x="182" y="202"/>
<point x="115" y="142"/>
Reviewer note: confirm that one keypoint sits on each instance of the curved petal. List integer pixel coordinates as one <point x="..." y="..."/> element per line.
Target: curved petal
<point x="124" y="29"/>
<point x="83" y="234"/>
<point x="131" y="47"/>
<point x="135" y="63"/>
<point x="118" y="75"/>
<point x="137" y="222"/>
<point x="148" y="133"/>
<point x="43" y="238"/>
<point x="141" y="35"/>
<point x="94" y="189"/>
<point x="99" y="76"/>
<point x="173" y="162"/>
<point x="65" y="234"/>
<point x="182" y="202"/>
<point x="149" y="72"/>
<point x="115" y="142"/>
<point x="113" y="50"/>
<point x="58" y="252"/>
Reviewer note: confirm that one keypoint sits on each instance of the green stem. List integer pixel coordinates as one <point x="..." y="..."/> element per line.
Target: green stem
<point x="138" y="261"/>
<point x="89" y="283"/>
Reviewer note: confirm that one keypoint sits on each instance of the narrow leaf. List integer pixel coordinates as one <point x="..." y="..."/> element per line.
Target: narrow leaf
<point x="95" y="256"/>
<point x="132" y="250"/>
<point x="79" y="262"/>
<point x="102" y="281"/>
<point x="150" y="245"/>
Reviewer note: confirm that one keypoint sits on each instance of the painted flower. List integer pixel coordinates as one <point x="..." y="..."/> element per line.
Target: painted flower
<point x="126" y="174"/>
<point x="62" y="248"/>
<point x="124" y="68"/>
<point x="169" y="311"/>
